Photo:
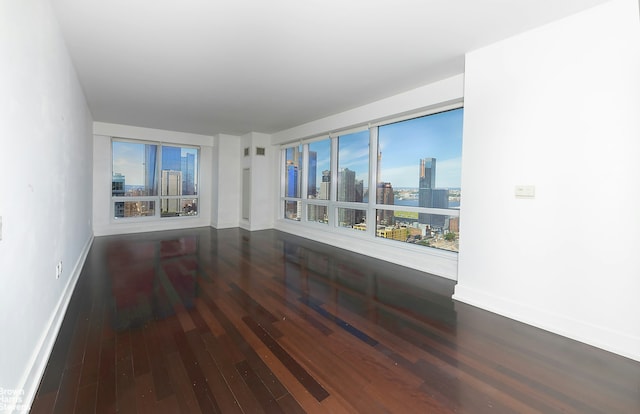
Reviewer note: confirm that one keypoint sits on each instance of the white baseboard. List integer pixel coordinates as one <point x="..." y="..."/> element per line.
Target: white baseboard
<point x="40" y="357"/>
<point x="244" y="224"/>
<point x="223" y="225"/>
<point x="599" y="336"/>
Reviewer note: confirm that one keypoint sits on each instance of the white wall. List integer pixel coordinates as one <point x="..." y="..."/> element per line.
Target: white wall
<point x="559" y="108"/>
<point x="264" y="173"/>
<point x="45" y="165"/>
<point x="435" y="95"/>
<point x="103" y="223"/>
<point x="226" y="182"/>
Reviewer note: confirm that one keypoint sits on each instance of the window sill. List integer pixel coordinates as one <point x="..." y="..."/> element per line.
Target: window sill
<point x="146" y="224"/>
<point x="430" y="260"/>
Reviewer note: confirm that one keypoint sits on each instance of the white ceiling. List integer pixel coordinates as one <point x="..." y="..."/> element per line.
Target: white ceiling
<point x="236" y="66"/>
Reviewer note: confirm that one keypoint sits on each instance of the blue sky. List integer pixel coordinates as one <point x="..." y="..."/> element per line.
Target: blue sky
<point x="128" y="160"/>
<point x="323" y="154"/>
<point x="437" y="136"/>
<point x="353" y="153"/>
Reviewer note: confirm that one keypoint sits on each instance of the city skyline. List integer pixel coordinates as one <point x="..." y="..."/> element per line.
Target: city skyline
<point x="401" y="146"/>
<point x="414" y="148"/>
<point x="135" y="174"/>
<point x="129" y="160"/>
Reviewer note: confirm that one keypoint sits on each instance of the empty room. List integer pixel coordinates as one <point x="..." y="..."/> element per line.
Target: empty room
<point x="308" y="207"/>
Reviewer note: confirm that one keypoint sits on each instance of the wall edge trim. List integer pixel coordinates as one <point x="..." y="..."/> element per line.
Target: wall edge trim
<point x="622" y="344"/>
<point x="40" y="357"/>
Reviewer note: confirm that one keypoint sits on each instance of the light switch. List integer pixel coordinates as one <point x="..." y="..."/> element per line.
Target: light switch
<point x="525" y="191"/>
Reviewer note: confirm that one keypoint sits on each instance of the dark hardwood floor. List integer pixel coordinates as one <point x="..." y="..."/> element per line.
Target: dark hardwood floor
<point x="228" y="321"/>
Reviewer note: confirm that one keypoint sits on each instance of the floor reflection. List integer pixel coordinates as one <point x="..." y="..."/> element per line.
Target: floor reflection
<point x="371" y="288"/>
<point x="149" y="277"/>
<point x="260" y="308"/>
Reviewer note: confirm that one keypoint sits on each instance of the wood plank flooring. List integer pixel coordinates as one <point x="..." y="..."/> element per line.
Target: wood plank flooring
<point x="230" y="321"/>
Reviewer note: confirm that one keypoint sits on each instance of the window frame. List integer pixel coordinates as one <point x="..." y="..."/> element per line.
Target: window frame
<point x="371" y="206"/>
<point x="157" y="199"/>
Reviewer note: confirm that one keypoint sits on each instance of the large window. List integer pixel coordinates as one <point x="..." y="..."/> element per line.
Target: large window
<point x="319" y="181"/>
<point x="153" y="180"/>
<point x="319" y="186"/>
<point x="353" y="177"/>
<point x="414" y="165"/>
<point x="419" y="166"/>
<point x="293" y="182"/>
<point x="179" y="181"/>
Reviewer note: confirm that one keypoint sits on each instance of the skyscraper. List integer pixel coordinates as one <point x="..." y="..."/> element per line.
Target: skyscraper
<point x="325" y="185"/>
<point x="293" y="166"/>
<point x="292" y="181"/>
<point x="439" y="199"/>
<point x="173" y="160"/>
<point x="384" y="195"/>
<point x="429" y="195"/>
<point x="150" y="165"/>
<point x="346" y="185"/>
<point x="171" y="186"/>
<point x="427" y="182"/>
<point x="117" y="185"/>
<point x="117" y="190"/>
<point x="359" y="215"/>
<point x="348" y="191"/>
<point x="188" y="164"/>
<point x="427" y="173"/>
<point x="312" y="191"/>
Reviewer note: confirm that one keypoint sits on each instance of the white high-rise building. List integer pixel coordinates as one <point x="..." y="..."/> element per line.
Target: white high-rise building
<point x="171" y="186"/>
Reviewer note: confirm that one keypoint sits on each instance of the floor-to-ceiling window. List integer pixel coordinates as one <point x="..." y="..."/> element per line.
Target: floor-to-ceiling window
<point x="353" y="180"/>
<point x="418" y="180"/>
<point x="398" y="180"/>
<point x="319" y="181"/>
